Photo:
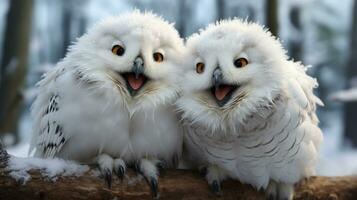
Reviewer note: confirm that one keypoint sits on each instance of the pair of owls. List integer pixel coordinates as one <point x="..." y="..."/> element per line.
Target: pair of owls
<point x="130" y="93"/>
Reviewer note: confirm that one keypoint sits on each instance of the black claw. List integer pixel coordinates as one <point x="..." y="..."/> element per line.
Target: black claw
<point x="120" y="172"/>
<point x="108" y="178"/>
<point x="154" y="187"/>
<point x="216" y="188"/>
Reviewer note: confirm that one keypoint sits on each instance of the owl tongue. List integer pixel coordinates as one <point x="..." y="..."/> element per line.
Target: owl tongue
<point x="222" y="91"/>
<point x="135" y="83"/>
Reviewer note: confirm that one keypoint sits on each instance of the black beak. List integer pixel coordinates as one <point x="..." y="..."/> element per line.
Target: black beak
<point x="217" y="77"/>
<point x="138" y="67"/>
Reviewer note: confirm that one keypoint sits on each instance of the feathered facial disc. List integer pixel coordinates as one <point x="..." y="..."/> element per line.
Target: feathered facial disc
<point x="138" y="53"/>
<point x="232" y="68"/>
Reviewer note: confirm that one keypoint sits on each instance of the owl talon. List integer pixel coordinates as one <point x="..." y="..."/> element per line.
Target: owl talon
<point x="216" y="188"/>
<point x="108" y="178"/>
<point x="105" y="164"/>
<point x="154" y="188"/>
<point x="119" y="168"/>
<point x="120" y="171"/>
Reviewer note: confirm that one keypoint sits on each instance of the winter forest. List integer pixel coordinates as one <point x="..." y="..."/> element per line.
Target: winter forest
<point x="35" y="35"/>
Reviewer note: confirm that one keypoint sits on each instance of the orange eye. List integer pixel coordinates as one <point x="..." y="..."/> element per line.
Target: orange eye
<point x="200" y="68"/>
<point x="241" y="62"/>
<point x="118" y="50"/>
<point x="158" y="57"/>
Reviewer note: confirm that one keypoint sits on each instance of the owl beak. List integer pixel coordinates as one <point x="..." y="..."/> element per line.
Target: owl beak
<point x="138" y="67"/>
<point x="135" y="79"/>
<point x="221" y="91"/>
<point x="217" y="78"/>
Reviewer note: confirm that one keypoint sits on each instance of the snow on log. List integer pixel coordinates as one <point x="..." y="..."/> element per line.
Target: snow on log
<point x="173" y="184"/>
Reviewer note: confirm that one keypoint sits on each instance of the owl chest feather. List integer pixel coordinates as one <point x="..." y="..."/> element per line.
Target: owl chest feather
<point x="94" y="121"/>
<point x="269" y="145"/>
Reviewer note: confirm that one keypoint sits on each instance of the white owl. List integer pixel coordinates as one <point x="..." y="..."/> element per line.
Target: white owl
<point x="111" y="99"/>
<point x="248" y="112"/>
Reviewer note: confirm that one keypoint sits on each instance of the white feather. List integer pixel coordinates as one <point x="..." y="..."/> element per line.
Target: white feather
<point x="96" y="113"/>
<point x="271" y="134"/>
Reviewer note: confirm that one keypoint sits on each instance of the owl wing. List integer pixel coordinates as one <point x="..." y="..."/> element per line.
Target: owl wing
<point x="48" y="135"/>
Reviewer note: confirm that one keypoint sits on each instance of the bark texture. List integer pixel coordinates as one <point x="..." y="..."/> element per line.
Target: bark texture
<point x="174" y="184"/>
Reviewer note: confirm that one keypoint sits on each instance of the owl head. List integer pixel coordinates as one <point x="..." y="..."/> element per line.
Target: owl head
<point x="232" y="69"/>
<point x="132" y="58"/>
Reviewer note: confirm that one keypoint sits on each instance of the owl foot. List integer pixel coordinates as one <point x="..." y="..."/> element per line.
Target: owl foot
<point x="279" y="191"/>
<point x="216" y="188"/>
<point x="148" y="168"/>
<point x="214" y="176"/>
<point x="119" y="168"/>
<point x="105" y="164"/>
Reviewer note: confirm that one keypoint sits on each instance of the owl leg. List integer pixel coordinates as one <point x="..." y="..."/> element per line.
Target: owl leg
<point x="214" y="176"/>
<point x="279" y="191"/>
<point x="148" y="168"/>
<point x="119" y="168"/>
<point x="105" y="164"/>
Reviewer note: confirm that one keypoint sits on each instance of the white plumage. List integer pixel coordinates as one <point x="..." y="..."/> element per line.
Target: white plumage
<point x="110" y="100"/>
<point x="248" y="111"/>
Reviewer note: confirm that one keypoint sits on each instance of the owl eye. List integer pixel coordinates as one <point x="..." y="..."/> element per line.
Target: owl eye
<point x="200" y="68"/>
<point x="240" y="62"/>
<point x="118" y="50"/>
<point x="158" y="57"/>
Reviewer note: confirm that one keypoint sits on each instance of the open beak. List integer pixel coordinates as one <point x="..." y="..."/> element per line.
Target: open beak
<point x="222" y="92"/>
<point x="138" y="67"/>
<point x="136" y="79"/>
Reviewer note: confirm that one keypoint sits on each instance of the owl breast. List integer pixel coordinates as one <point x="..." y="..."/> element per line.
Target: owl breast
<point x="279" y="142"/>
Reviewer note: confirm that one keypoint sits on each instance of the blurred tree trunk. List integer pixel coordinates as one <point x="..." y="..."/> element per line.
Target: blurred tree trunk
<point x="181" y="25"/>
<point x="295" y="44"/>
<point x="67" y="17"/>
<point x="14" y="63"/>
<point x="73" y="23"/>
<point x="351" y="107"/>
<point x="220" y="5"/>
<point x="272" y="16"/>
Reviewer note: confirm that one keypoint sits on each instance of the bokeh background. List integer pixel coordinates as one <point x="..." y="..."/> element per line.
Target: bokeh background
<point x="35" y="34"/>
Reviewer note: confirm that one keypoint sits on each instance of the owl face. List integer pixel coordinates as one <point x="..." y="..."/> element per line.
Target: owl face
<point x="137" y="53"/>
<point x="231" y="69"/>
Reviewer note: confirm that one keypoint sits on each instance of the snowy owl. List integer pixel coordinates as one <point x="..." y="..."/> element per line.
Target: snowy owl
<point x="111" y="99"/>
<point x="248" y="111"/>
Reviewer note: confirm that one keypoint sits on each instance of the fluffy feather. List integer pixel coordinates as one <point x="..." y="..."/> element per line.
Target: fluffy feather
<point x="85" y="108"/>
<point x="267" y="131"/>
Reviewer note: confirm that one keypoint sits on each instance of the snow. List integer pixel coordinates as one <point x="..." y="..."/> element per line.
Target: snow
<point x="49" y="168"/>
<point x="337" y="157"/>
<point x="19" y="150"/>
<point x="345" y="95"/>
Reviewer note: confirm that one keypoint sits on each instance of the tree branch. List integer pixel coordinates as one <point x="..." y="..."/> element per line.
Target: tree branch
<point x="173" y="184"/>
